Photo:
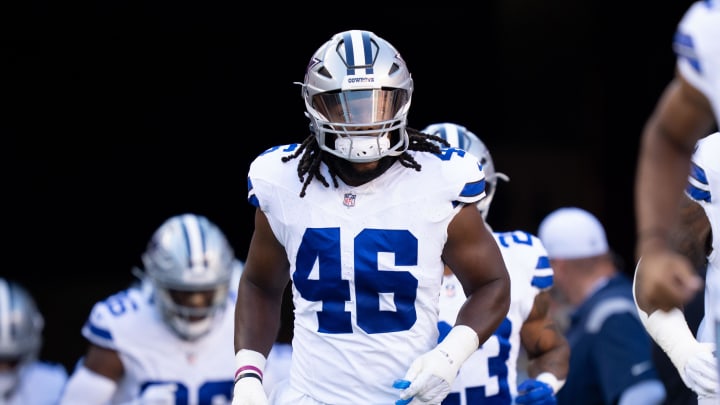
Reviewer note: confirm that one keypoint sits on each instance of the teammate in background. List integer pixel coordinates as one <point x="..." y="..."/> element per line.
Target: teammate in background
<point x="490" y="374"/>
<point x="688" y="110"/>
<point x="24" y="378"/>
<point x="697" y="238"/>
<point x="610" y="352"/>
<point x="361" y="216"/>
<point x="167" y="339"/>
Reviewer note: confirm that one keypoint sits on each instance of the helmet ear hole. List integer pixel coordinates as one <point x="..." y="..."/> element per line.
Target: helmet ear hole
<point x="324" y="72"/>
<point x="394" y="68"/>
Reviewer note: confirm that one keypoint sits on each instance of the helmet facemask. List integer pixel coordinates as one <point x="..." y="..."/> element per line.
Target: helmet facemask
<point x="361" y="125"/>
<point x="191" y="313"/>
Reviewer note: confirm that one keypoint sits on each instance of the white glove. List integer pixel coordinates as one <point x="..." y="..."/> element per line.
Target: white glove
<point x="700" y="373"/>
<point x="431" y="375"/>
<point x="248" y="389"/>
<point x="694" y="361"/>
<point x="158" y="394"/>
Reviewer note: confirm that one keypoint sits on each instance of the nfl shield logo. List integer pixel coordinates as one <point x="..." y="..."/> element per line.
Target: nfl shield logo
<point x="349" y="200"/>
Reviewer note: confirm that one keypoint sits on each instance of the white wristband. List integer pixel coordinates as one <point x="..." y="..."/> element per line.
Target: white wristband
<point x="460" y="343"/>
<point x="550" y="379"/>
<point x="249" y="363"/>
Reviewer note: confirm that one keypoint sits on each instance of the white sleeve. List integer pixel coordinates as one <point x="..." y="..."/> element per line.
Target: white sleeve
<point x="86" y="387"/>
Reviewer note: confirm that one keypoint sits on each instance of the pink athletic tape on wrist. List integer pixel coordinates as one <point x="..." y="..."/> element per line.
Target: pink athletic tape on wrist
<point x="248" y="371"/>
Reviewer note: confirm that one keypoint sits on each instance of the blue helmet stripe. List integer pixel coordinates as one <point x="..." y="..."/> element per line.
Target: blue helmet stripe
<point x="349" y="53"/>
<point x="367" y="47"/>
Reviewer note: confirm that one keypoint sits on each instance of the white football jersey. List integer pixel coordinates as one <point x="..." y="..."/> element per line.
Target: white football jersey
<point x="704" y="187"/>
<point x="151" y="353"/>
<point x="697" y="48"/>
<point x="366" y="267"/>
<point x="41" y="383"/>
<point x="491" y="372"/>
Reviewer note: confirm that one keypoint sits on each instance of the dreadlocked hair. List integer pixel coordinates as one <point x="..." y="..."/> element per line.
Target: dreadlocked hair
<point x="312" y="156"/>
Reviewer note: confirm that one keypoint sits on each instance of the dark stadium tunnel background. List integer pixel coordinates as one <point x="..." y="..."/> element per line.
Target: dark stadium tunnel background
<point x="127" y="116"/>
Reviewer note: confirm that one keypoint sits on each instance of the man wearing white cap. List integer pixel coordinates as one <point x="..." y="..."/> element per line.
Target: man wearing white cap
<point x="610" y="352"/>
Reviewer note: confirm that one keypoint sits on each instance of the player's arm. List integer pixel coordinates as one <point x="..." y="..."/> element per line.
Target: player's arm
<point x="95" y="378"/>
<point x="694" y="361"/>
<point x="682" y="116"/>
<point x="548" y="353"/>
<point x="257" y="310"/>
<point x="692" y="235"/>
<point x="260" y="291"/>
<point x="547" y="349"/>
<point x="472" y="253"/>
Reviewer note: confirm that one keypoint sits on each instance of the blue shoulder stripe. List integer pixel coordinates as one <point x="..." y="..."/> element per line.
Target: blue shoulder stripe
<point x="542" y="276"/>
<point x="99" y="332"/>
<point x="698" y="187"/>
<point x="473" y="189"/>
<point x="684" y="47"/>
<point x="252" y="198"/>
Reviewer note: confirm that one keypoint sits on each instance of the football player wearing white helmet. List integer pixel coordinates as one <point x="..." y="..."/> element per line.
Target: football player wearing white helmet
<point x="365" y="254"/>
<point x="166" y="339"/>
<point x="490" y="374"/>
<point x="24" y="378"/>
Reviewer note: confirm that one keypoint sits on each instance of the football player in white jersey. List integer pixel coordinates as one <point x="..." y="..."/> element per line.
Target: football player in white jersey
<point x="490" y="374"/>
<point x="167" y="339"/>
<point x="688" y="110"/>
<point x="24" y="378"/>
<point x="361" y="216"/>
<point x="698" y="237"/>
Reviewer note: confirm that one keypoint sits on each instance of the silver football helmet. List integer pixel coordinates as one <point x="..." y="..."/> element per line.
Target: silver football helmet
<point x="189" y="254"/>
<point x="21" y="326"/>
<point x="460" y="137"/>
<point x="357" y="93"/>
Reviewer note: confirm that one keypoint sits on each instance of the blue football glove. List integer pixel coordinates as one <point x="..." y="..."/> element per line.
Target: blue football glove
<point x="536" y="393"/>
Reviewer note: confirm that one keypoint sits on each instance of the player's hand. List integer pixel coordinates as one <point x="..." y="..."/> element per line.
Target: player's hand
<point x="431" y="375"/>
<point x="700" y="373"/>
<point x="249" y="391"/>
<point x="667" y="280"/>
<point x="158" y="394"/>
<point x="536" y="393"/>
<point x="428" y="380"/>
